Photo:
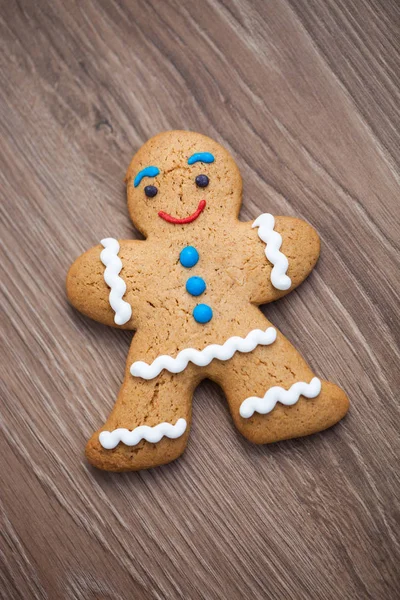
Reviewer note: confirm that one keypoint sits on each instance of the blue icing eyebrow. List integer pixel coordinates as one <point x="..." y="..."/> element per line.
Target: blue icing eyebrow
<point x="205" y="157"/>
<point x="147" y="172"/>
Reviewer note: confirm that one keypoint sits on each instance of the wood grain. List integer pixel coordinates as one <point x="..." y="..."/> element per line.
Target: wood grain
<point x="305" y="93"/>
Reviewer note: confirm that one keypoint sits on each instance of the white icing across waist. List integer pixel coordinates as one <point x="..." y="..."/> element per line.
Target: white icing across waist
<point x="110" y="259"/>
<point x="273" y="241"/>
<point x="279" y="394"/>
<point x="111" y="439"/>
<point x="202" y="358"/>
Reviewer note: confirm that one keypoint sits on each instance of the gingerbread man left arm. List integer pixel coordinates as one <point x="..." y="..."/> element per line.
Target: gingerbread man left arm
<point x="97" y="282"/>
<point x="279" y="252"/>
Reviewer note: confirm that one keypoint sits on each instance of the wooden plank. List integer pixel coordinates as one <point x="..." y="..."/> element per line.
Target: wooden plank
<point x="306" y="96"/>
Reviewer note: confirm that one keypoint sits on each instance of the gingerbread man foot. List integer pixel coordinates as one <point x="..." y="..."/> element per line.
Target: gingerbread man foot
<point x="150" y="423"/>
<point x="273" y="394"/>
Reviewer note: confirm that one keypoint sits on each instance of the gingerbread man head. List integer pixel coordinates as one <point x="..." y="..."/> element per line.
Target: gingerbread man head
<point x="182" y="178"/>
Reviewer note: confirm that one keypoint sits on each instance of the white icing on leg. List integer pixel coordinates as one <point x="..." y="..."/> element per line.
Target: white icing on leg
<point x="278" y="394"/>
<point x="273" y="241"/>
<point x="202" y="358"/>
<point x="111" y="439"/>
<point x="110" y="259"/>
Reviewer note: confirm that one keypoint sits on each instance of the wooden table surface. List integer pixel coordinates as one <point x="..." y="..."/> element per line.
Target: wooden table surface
<point x="306" y="95"/>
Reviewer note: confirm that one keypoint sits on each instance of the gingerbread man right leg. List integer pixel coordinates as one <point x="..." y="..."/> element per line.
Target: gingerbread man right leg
<point x="273" y="395"/>
<point x="162" y="405"/>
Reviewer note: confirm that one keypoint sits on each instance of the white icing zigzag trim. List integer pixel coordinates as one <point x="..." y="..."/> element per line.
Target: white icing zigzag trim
<point x="201" y="358"/>
<point x="110" y="259"/>
<point x="273" y="241"/>
<point x="111" y="439"/>
<point x="278" y="394"/>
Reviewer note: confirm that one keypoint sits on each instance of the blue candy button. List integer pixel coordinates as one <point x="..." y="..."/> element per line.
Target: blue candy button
<point x="202" y="313"/>
<point x="189" y="257"/>
<point x="195" y="286"/>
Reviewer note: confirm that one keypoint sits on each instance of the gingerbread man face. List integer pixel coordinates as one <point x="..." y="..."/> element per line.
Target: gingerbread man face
<point x="176" y="177"/>
<point x="191" y="291"/>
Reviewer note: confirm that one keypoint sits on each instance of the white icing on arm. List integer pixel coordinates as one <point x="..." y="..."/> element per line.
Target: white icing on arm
<point x="110" y="259"/>
<point x="111" y="439"/>
<point x="202" y="358"/>
<point x="273" y="241"/>
<point x="279" y="394"/>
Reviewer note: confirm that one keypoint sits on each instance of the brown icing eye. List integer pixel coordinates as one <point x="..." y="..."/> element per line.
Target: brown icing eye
<point x="202" y="181"/>
<point x="150" y="191"/>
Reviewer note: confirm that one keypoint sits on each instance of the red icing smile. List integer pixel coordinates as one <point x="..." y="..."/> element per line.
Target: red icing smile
<point x="189" y="219"/>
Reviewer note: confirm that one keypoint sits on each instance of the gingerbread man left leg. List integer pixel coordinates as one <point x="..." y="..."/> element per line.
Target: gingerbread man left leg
<point x="150" y="422"/>
<point x="273" y="394"/>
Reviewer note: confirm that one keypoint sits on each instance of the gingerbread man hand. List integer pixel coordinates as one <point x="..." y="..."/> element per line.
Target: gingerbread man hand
<point x="191" y="289"/>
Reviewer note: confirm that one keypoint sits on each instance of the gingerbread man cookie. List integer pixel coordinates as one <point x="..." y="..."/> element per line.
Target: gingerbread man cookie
<point x="191" y="291"/>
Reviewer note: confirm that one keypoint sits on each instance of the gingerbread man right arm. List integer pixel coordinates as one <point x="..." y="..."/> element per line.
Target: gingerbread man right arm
<point x="280" y="252"/>
<point x="95" y="287"/>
